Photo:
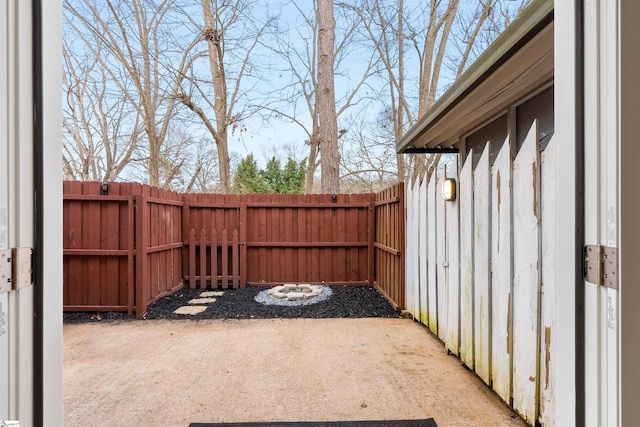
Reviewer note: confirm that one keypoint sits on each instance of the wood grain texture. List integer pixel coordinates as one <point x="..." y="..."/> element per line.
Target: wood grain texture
<point x="467" y="318"/>
<point x="501" y="272"/>
<point x="424" y="253"/>
<point x="453" y="257"/>
<point x="481" y="262"/>
<point x="137" y="235"/>
<point x="442" y="265"/>
<point x="547" y="301"/>
<point x="432" y="252"/>
<point x="526" y="276"/>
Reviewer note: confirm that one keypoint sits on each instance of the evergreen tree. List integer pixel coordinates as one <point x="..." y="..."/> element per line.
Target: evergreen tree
<point x="248" y="178"/>
<point x="272" y="179"/>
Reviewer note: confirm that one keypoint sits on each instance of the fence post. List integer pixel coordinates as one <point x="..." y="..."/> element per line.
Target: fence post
<point x="371" y="248"/>
<point x="131" y="247"/>
<point x="234" y="258"/>
<point x="225" y="259"/>
<point x="186" y="229"/>
<point x="203" y="259"/>
<point x="192" y="259"/>
<point x="214" y="258"/>
<point x="243" y="245"/>
<point x="142" y="244"/>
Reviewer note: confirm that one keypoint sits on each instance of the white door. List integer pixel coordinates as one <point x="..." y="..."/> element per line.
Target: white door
<point x="629" y="212"/>
<point x="4" y="215"/>
<point x="602" y="208"/>
<point x="30" y="129"/>
<point x="16" y="207"/>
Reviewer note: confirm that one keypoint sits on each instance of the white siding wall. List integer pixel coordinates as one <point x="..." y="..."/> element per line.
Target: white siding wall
<point x="489" y="261"/>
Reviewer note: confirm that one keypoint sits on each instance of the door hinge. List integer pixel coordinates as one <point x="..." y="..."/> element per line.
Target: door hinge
<point x="601" y="265"/>
<point x="15" y="268"/>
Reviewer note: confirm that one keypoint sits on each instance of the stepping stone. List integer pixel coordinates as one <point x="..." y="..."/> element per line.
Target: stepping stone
<point x="290" y="286"/>
<point x="202" y="301"/>
<point x="276" y="289"/>
<point x="190" y="309"/>
<point x="279" y="295"/>
<point x="293" y="296"/>
<point x="209" y="294"/>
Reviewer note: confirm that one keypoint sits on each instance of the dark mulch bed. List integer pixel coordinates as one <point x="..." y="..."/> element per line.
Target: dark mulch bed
<point x="346" y="301"/>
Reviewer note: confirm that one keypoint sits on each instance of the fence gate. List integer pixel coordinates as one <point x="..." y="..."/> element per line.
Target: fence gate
<point x="213" y="258"/>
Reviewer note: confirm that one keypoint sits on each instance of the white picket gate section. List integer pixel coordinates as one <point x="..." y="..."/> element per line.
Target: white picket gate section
<point x="478" y="269"/>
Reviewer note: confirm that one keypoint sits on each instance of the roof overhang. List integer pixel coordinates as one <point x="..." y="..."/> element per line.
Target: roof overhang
<point x="516" y="64"/>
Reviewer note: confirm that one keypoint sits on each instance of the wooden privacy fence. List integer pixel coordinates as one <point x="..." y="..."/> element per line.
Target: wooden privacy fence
<point x="479" y="270"/>
<point x="389" y="244"/>
<point x="290" y="237"/>
<point x="122" y="248"/>
<point x="133" y="244"/>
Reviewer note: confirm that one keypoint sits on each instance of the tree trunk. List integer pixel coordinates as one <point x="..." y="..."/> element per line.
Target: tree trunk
<point x="223" y="162"/>
<point x="399" y="125"/>
<point x="312" y="166"/>
<point x="214" y="38"/>
<point x="330" y="158"/>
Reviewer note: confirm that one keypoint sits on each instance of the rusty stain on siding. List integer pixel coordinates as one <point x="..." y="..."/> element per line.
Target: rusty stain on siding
<point x="534" y="173"/>
<point x="547" y="344"/>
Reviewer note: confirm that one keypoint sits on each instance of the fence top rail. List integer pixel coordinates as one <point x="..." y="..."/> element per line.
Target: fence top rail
<point x="159" y="201"/>
<point x="312" y="205"/>
<point x="97" y="198"/>
<point x="203" y="205"/>
<point x="388" y="201"/>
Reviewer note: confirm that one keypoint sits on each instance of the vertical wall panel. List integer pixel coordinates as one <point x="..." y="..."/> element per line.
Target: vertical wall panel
<point x="411" y="258"/>
<point x="526" y="280"/>
<point x="424" y="253"/>
<point x="416" y="247"/>
<point x="466" y="263"/>
<point x="547" y="301"/>
<point x="453" y="259"/>
<point x="432" y="251"/>
<point x="442" y="271"/>
<point x="501" y="272"/>
<point x="481" y="253"/>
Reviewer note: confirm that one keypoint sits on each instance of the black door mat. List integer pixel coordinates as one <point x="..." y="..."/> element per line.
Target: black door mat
<point x="429" y="422"/>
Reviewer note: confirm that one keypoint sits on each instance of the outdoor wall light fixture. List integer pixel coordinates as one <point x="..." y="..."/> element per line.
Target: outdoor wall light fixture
<point x="104" y="186"/>
<point x="449" y="189"/>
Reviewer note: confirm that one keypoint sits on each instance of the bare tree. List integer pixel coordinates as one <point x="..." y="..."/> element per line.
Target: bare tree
<point x="99" y="132"/>
<point x="330" y="162"/>
<point x="132" y="43"/>
<point x="428" y="28"/>
<point x="231" y="36"/>
<point x="298" y="101"/>
<point x="367" y="156"/>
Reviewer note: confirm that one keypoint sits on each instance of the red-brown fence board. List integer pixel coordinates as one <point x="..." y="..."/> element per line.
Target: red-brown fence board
<point x="304" y="239"/>
<point x="389" y="243"/>
<point x="163" y="242"/>
<point x="102" y="260"/>
<point x="97" y="247"/>
<point x="131" y="246"/>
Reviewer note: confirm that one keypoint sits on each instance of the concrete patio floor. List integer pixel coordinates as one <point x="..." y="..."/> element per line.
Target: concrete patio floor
<point x="172" y="373"/>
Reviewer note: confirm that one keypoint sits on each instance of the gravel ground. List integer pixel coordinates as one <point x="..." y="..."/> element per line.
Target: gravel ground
<point x="345" y="301"/>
